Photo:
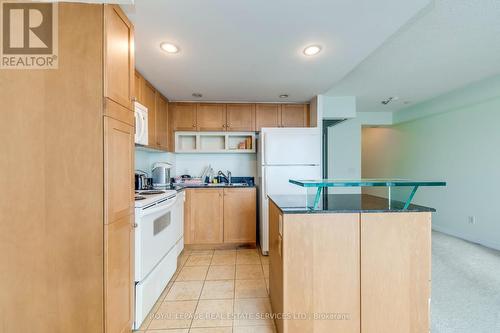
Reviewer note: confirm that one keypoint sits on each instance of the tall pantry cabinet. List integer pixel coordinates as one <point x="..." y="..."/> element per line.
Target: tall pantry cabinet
<point x="66" y="230"/>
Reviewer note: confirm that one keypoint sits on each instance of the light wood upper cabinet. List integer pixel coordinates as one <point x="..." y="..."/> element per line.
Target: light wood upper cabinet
<point x="149" y="95"/>
<point x="118" y="56"/>
<point x="240" y="117"/>
<point x="161" y="122"/>
<point x="240" y="218"/>
<point x="138" y="87"/>
<point x="119" y="275"/>
<point x="205" y="225"/>
<point x="118" y="170"/>
<point x="294" y="115"/>
<point x="267" y="115"/>
<point x="184" y="116"/>
<point x="210" y="117"/>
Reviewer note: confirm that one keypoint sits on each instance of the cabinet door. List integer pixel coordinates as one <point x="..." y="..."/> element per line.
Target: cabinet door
<point x="184" y="116"/>
<point x="294" y="115"/>
<point x="206" y="216"/>
<point x="118" y="231"/>
<point x="276" y="263"/>
<point x="240" y="218"/>
<point x="267" y="115"/>
<point x="118" y="169"/>
<point x="150" y="103"/>
<point x="395" y="252"/>
<point x="171" y="121"/>
<point x="161" y="122"/>
<point x="119" y="275"/>
<point x="138" y="87"/>
<point x="211" y="117"/>
<point x="240" y="117"/>
<point x="118" y="56"/>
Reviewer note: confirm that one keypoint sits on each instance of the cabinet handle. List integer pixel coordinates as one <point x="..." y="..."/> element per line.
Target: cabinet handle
<point x="135" y="225"/>
<point x="194" y="125"/>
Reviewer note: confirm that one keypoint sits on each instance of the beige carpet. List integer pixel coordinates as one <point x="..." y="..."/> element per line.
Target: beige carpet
<point x="465" y="287"/>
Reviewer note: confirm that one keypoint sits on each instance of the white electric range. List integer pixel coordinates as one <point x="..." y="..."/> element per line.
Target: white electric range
<point x="159" y="223"/>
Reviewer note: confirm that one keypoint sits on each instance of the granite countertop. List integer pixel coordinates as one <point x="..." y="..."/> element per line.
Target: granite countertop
<point x="237" y="182"/>
<point x="342" y="203"/>
<point x="220" y="185"/>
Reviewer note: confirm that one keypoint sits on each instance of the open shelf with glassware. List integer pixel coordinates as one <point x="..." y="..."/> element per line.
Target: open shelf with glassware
<point x="215" y="142"/>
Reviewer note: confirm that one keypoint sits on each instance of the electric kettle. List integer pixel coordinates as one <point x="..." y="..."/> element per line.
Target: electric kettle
<point x="161" y="174"/>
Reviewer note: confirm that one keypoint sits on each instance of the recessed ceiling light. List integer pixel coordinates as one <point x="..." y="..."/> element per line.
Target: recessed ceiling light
<point x="197" y="95"/>
<point x="169" y="48"/>
<point x="312" y="50"/>
<point x="284" y="96"/>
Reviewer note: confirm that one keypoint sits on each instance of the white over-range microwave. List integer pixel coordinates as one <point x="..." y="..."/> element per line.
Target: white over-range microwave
<point x="141" y="124"/>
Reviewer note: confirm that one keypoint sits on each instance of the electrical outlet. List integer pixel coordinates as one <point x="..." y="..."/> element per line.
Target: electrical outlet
<point x="471" y="219"/>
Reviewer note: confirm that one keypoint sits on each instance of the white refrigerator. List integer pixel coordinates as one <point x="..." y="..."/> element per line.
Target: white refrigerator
<point x="283" y="154"/>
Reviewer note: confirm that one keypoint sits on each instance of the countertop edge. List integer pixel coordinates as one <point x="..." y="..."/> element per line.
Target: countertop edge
<point x="302" y="210"/>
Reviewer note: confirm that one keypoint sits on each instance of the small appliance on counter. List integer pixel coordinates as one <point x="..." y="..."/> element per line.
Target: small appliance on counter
<point x="161" y="174"/>
<point x="142" y="182"/>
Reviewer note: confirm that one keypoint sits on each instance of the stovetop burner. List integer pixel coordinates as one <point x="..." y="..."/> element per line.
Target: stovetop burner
<point x="138" y="197"/>
<point x="151" y="192"/>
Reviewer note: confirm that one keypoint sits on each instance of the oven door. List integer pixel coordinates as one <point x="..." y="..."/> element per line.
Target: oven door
<point x="155" y="236"/>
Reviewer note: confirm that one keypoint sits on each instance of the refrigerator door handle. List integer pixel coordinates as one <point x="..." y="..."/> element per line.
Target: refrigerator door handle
<point x="263" y="149"/>
<point x="264" y="183"/>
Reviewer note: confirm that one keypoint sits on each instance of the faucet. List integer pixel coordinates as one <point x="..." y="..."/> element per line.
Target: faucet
<point x="228" y="177"/>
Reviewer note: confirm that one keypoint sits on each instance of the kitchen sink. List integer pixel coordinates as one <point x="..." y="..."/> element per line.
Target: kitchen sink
<point x="226" y="184"/>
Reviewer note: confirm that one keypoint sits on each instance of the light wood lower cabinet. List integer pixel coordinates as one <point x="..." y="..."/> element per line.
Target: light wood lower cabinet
<point x="240" y="215"/>
<point x="314" y="269"/>
<point x="221" y="215"/>
<point x="395" y="252"/>
<point x="205" y="224"/>
<point x="370" y="271"/>
<point x="119" y="275"/>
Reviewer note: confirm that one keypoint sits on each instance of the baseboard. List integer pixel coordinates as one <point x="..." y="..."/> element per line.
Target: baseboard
<point x="488" y="243"/>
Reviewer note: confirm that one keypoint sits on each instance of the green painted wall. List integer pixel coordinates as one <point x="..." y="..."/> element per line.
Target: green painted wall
<point x="460" y="146"/>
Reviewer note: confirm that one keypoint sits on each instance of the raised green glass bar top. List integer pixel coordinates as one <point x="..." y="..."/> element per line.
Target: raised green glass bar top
<point x="367" y="182"/>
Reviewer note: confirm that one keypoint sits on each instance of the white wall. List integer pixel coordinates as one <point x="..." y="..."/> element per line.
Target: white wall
<point x="144" y="159"/>
<point x="344" y="153"/>
<point x="460" y="146"/>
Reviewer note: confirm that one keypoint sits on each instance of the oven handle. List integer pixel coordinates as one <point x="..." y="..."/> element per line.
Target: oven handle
<point x="160" y="207"/>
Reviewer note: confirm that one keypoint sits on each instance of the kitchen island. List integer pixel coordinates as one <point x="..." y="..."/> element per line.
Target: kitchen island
<point x="351" y="263"/>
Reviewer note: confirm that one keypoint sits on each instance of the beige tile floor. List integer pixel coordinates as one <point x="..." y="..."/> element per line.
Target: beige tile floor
<point x="215" y="291"/>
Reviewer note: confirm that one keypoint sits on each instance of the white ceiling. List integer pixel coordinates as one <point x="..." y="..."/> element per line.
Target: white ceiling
<point x="451" y="44"/>
<point x="252" y="50"/>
